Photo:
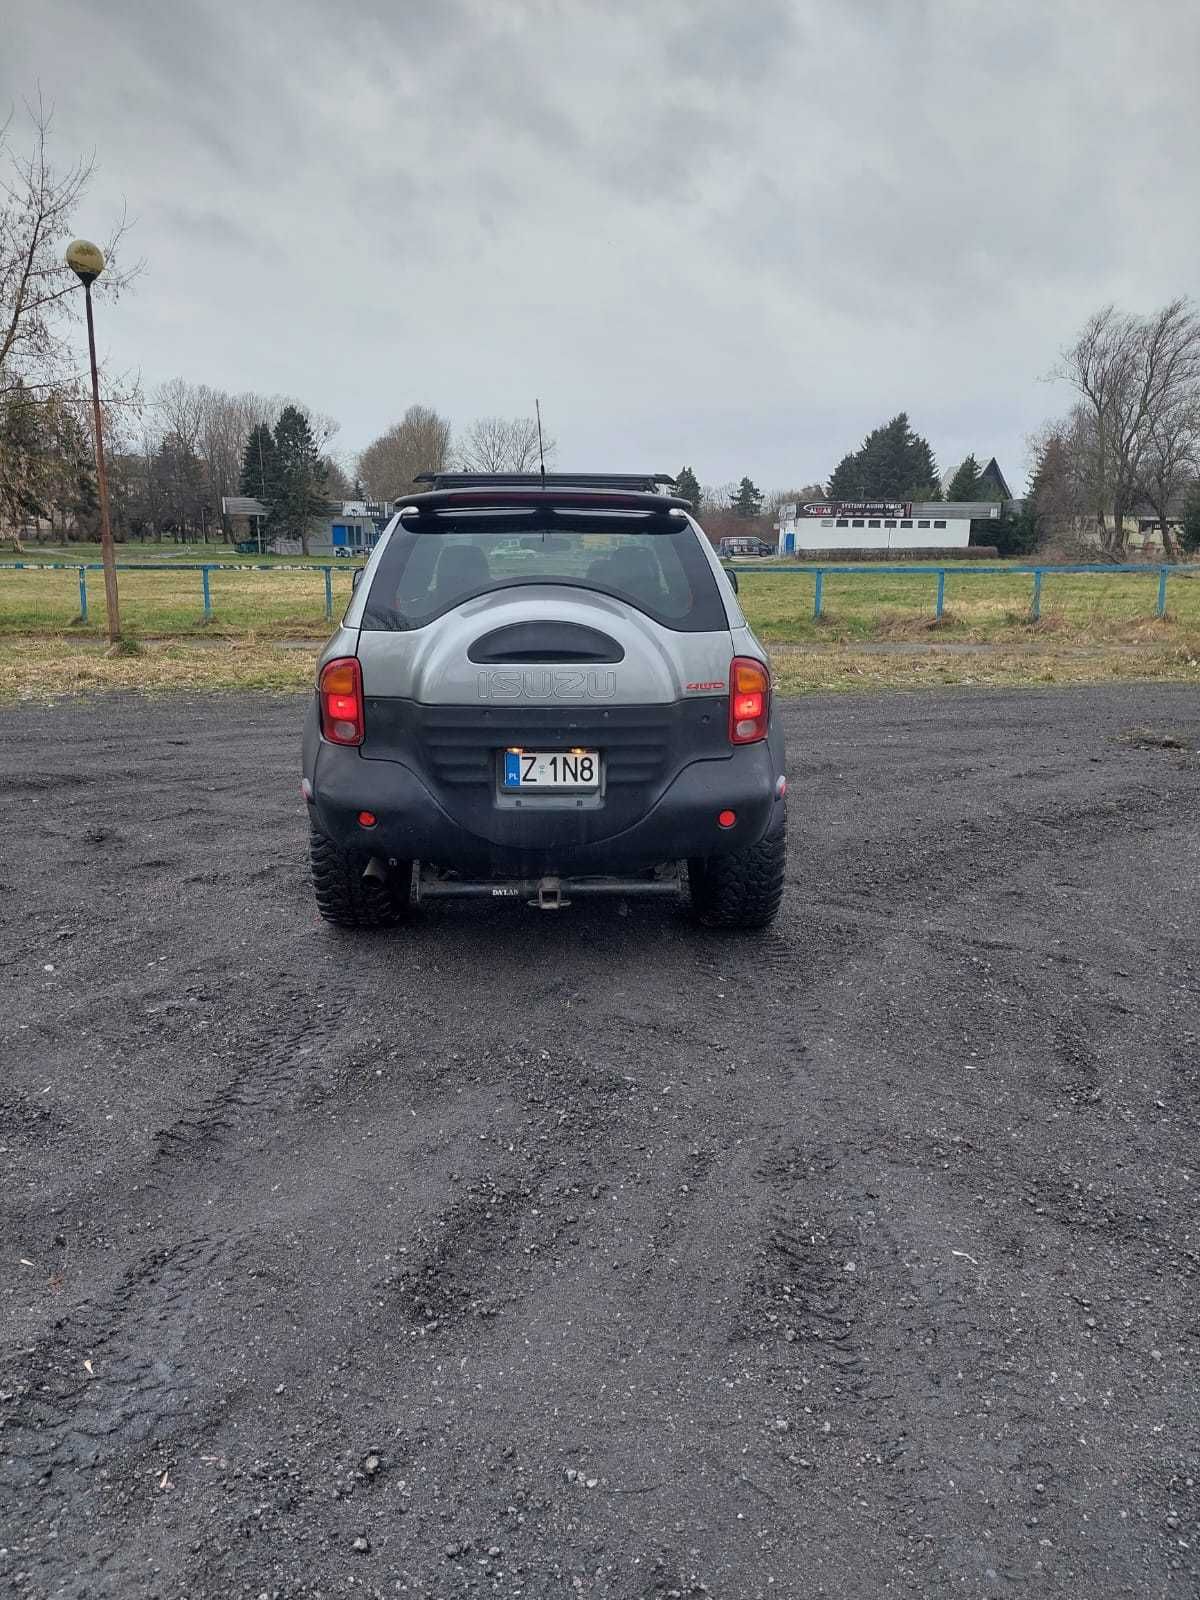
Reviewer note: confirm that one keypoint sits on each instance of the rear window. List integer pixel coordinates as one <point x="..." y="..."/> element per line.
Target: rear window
<point x="422" y="575"/>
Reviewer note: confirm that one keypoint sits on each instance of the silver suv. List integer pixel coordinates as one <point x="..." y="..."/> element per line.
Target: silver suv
<point x="544" y="688"/>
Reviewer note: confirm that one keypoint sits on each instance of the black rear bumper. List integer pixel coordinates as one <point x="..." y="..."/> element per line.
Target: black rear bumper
<point x="413" y="824"/>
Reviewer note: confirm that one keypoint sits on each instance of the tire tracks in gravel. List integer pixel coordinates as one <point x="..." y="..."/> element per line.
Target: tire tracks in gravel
<point x="876" y="873"/>
<point x="140" y="1335"/>
<point x="126" y="1395"/>
<point x="582" y="1194"/>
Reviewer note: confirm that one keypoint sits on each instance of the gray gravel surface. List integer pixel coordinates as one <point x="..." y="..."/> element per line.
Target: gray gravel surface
<point x="593" y="1254"/>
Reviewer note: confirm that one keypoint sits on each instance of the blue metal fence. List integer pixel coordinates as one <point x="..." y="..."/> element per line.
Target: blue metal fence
<point x="970" y="570"/>
<point x="817" y="573"/>
<point x="204" y="568"/>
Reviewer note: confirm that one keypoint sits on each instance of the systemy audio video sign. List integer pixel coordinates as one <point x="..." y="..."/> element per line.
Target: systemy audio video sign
<point x="857" y="508"/>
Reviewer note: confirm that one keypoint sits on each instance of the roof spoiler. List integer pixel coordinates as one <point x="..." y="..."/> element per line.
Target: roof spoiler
<point x="532" y="496"/>
<point x="638" y="482"/>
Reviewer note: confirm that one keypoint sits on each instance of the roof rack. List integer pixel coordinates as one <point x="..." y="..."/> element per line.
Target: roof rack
<point x="643" y="482"/>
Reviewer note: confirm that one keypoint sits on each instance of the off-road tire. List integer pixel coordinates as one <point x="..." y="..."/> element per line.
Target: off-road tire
<point x="742" y="890"/>
<point x="345" y="897"/>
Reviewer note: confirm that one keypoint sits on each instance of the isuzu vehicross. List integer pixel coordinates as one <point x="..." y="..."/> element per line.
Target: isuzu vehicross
<point x="544" y="687"/>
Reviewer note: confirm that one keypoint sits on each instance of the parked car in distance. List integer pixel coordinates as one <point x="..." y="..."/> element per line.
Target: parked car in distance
<point x="738" y="546"/>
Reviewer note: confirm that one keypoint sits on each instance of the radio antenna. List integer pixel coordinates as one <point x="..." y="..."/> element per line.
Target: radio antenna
<point x="537" y="406"/>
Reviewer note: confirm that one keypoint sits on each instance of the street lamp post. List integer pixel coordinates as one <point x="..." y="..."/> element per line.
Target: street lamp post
<point x="86" y="261"/>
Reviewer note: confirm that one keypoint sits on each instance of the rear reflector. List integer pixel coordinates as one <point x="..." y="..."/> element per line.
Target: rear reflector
<point x="367" y="819"/>
<point x="727" y="818"/>
<point x="749" y="700"/>
<point x="339" y="692"/>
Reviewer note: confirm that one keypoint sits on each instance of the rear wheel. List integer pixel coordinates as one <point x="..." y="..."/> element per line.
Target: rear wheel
<point x="744" y="889"/>
<point x="347" y="899"/>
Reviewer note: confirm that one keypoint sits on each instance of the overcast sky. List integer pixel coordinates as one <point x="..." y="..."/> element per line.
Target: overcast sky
<point x="736" y="235"/>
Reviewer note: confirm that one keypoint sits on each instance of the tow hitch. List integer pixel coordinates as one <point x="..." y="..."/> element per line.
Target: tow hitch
<point x="549" y="893"/>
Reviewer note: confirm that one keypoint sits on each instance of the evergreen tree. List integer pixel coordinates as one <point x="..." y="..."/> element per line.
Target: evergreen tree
<point x="687" y="487"/>
<point x="1014" y="534"/>
<point x="299" y="487"/>
<point x="923" y="480"/>
<point x="258" y="465"/>
<point x="966" y="482"/>
<point x="28" y="457"/>
<point x="845" y="482"/>
<point x="1191" y="518"/>
<point x="76" y="496"/>
<point x="892" y="463"/>
<point x="748" y="502"/>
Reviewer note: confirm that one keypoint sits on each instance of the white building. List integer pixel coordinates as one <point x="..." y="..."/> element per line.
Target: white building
<point x="850" y="526"/>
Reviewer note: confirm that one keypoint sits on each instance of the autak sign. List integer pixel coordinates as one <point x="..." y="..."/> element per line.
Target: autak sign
<point x="858" y="508"/>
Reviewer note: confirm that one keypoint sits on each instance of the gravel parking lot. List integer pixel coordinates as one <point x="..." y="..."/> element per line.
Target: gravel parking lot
<point x="590" y="1253"/>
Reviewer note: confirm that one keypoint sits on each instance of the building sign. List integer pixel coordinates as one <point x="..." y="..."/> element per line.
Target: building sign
<point x="858" y="508"/>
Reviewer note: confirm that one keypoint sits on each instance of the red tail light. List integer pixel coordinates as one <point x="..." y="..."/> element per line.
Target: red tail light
<point x="749" y="700"/>
<point x="340" y="693"/>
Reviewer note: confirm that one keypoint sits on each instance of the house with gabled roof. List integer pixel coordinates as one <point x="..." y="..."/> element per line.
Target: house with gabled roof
<point x="993" y="484"/>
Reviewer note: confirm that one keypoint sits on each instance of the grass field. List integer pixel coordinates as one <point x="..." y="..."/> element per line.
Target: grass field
<point x="876" y="631"/>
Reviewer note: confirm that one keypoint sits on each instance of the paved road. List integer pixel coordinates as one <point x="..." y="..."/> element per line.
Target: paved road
<point x="594" y="1254"/>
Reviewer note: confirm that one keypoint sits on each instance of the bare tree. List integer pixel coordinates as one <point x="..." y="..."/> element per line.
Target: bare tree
<point x="716" y="497"/>
<point x="181" y="406"/>
<point x="1132" y="372"/>
<point x="419" y="442"/>
<point x="225" y="423"/>
<point x="322" y="426"/>
<point x="503" y="444"/>
<point x="775" y="498"/>
<point x="213" y="426"/>
<point x="1171" y="461"/>
<point x="38" y="297"/>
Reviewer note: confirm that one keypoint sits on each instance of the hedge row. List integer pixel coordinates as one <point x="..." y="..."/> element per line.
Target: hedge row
<point x="973" y="552"/>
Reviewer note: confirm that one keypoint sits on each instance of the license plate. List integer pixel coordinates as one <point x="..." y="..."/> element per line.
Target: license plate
<point x="551" y="769"/>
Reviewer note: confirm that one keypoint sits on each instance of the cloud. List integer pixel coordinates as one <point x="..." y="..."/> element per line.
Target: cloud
<point x="734" y="235"/>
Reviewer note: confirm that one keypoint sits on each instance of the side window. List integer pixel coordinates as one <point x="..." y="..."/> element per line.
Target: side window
<point x="907" y="523"/>
<point x="939" y="524"/>
<point x="843" y="522"/>
<point x="922" y="524"/>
